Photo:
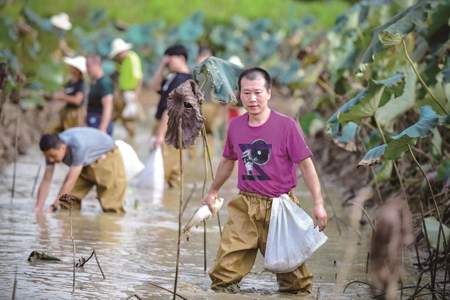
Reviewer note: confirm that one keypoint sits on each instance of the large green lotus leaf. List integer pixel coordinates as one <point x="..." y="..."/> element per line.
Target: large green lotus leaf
<point x="140" y="35"/>
<point x="258" y="27"/>
<point x="365" y="104"/>
<point x="192" y="28"/>
<point x="397" y="106"/>
<point x="392" y="32"/>
<point x="444" y="171"/>
<point x="266" y="45"/>
<point x="373" y="156"/>
<point x="396" y="148"/>
<point x="384" y="172"/>
<point x="446" y="72"/>
<point x="391" y="151"/>
<point x="96" y="17"/>
<point x="50" y="75"/>
<point x="311" y="123"/>
<point x="432" y="229"/>
<point x="424" y="126"/>
<point x="36" y="20"/>
<point x="287" y="72"/>
<point x="439" y="17"/>
<point x="437" y="142"/>
<point x="218" y="79"/>
<point x="334" y="127"/>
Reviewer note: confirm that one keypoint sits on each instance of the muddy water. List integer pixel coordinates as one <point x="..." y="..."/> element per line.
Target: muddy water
<point x="139" y="248"/>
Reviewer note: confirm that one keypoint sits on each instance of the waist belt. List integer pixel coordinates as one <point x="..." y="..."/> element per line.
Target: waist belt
<point x="263" y="197"/>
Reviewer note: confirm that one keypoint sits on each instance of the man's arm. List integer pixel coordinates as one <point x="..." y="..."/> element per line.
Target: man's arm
<point x="157" y="79"/>
<point x="312" y="182"/>
<point x="107" y="102"/>
<point x="161" y="131"/>
<point x="69" y="182"/>
<point x="76" y="99"/>
<point x="44" y="187"/>
<point x="223" y="172"/>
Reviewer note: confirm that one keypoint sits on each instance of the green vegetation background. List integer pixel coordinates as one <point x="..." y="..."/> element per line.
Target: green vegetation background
<point x="175" y="11"/>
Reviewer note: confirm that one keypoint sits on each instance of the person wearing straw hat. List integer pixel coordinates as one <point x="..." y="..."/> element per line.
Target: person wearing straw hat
<point x="61" y="21"/>
<point x="130" y="80"/>
<point x="73" y="113"/>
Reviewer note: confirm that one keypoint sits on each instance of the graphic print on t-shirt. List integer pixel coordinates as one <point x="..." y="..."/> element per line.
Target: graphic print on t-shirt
<point x="254" y="156"/>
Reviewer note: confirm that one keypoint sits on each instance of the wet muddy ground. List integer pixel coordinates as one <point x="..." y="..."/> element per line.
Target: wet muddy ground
<point x="139" y="248"/>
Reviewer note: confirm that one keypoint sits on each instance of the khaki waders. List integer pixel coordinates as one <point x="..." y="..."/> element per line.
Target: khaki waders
<point x="108" y="176"/>
<point x="130" y="124"/>
<point x="69" y="117"/>
<point x="244" y="233"/>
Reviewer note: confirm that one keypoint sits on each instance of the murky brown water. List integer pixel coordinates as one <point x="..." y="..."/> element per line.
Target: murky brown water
<point x="139" y="247"/>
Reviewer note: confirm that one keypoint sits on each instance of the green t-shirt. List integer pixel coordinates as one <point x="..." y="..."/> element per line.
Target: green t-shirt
<point x="130" y="73"/>
<point x="99" y="89"/>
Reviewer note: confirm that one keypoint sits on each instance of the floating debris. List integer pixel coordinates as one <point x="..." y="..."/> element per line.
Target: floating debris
<point x="41" y="256"/>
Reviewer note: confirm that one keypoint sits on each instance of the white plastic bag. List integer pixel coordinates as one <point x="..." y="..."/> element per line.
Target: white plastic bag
<point x="153" y="174"/>
<point x="131" y="109"/>
<point x="292" y="237"/>
<point x="131" y="161"/>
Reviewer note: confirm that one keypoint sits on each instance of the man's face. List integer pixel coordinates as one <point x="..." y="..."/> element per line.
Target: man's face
<point x="120" y="57"/>
<point x="93" y="69"/>
<point x="55" y="155"/>
<point x="254" y="95"/>
<point x="175" y="63"/>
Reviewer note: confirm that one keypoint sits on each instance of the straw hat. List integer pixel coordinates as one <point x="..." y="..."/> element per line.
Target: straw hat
<point x="61" y="21"/>
<point x="234" y="59"/>
<point x="117" y="46"/>
<point x="78" y="62"/>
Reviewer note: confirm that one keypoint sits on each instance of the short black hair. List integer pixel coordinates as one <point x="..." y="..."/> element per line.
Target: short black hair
<point x="177" y="50"/>
<point x="49" y="141"/>
<point x="252" y="74"/>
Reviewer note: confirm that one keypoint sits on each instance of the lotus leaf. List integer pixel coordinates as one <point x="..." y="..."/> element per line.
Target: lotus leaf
<point x="218" y="79"/>
<point x="432" y="230"/>
<point x="398" y="26"/>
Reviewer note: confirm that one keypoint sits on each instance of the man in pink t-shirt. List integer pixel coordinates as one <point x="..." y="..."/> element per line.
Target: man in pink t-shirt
<point x="268" y="147"/>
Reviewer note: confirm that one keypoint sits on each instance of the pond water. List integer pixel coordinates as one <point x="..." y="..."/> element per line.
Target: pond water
<point x="139" y="248"/>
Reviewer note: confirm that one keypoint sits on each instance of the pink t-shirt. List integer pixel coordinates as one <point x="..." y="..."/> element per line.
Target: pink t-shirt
<point x="267" y="155"/>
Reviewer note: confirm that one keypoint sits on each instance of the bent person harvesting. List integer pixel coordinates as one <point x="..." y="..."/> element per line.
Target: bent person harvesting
<point x="268" y="147"/>
<point x="94" y="160"/>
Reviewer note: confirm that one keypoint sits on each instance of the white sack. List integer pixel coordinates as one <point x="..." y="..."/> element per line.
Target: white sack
<point x="131" y="161"/>
<point x="292" y="237"/>
<point x="153" y="174"/>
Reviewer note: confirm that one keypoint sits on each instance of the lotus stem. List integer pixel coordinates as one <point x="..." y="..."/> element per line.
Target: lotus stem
<point x="167" y="290"/>
<point x="13" y="295"/>
<point x="13" y="188"/>
<point x="397" y="171"/>
<point x="413" y="65"/>
<point x="365" y="213"/>
<point x="428" y="182"/>
<point x="205" y="140"/>
<point x="98" y="264"/>
<point x="180" y="145"/>
<point x="73" y="249"/>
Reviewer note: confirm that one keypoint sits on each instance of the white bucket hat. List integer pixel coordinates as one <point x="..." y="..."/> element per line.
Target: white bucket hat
<point x="61" y="21"/>
<point x="78" y="62"/>
<point x="236" y="60"/>
<point x="117" y="46"/>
